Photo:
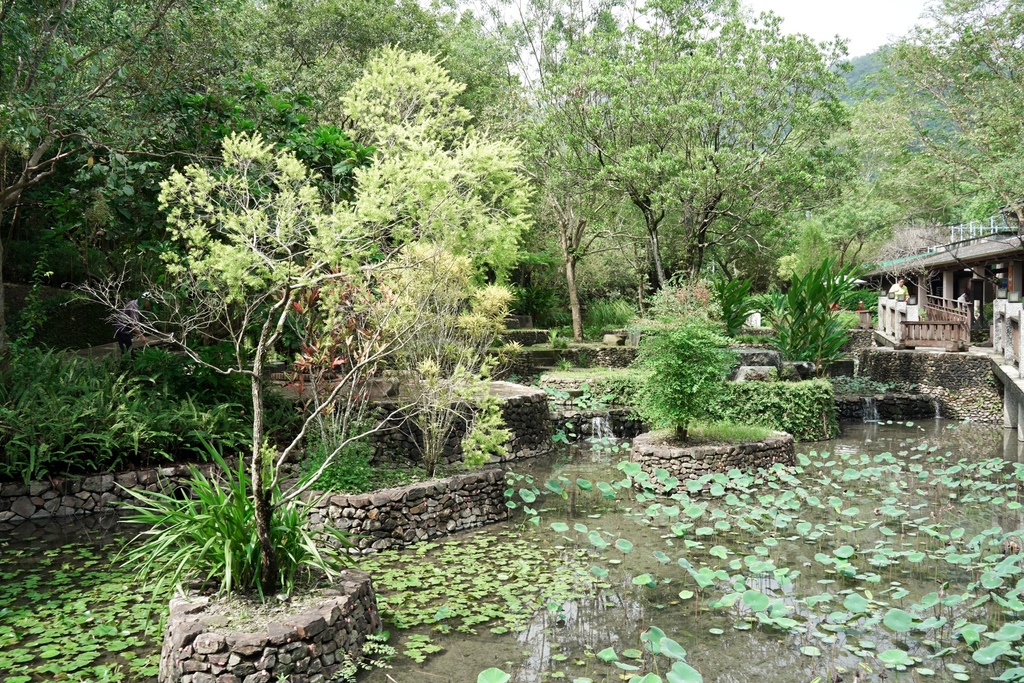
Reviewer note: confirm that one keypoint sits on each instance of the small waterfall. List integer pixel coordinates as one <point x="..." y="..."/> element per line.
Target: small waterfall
<point x="938" y="408"/>
<point x="870" y="409"/>
<point x="601" y="427"/>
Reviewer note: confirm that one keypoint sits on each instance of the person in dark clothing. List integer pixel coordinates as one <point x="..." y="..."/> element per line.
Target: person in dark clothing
<point x="128" y="323"/>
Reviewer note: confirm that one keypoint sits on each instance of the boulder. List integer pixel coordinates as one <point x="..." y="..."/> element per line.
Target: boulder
<point x="756" y="373"/>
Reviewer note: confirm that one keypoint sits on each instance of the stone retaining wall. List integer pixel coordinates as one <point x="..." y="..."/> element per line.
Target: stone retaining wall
<point x="397" y="517"/>
<point x="695" y="461"/>
<point x="524" y="409"/>
<point x="963" y="383"/>
<point x="858" y="341"/>
<point x="69" y="496"/>
<point x="526" y="337"/>
<point x="891" y="406"/>
<point x="310" y="647"/>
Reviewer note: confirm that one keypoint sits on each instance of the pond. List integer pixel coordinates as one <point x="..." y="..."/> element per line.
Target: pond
<point x="878" y="557"/>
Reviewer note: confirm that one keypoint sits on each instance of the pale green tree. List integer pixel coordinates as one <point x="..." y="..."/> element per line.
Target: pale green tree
<point x="436" y="178"/>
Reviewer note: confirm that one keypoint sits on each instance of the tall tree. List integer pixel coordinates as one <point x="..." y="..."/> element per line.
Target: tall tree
<point x="707" y="121"/>
<point x="960" y="76"/>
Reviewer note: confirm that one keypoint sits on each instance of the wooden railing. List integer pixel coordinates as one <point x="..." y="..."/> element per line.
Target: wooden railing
<point x="947" y="310"/>
<point x="954" y="336"/>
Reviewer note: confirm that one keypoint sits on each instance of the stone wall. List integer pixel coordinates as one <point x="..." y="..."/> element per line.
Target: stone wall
<point x="526" y="337"/>
<point x="310" y="647"/>
<point x="858" y="341"/>
<point x="69" y="496"/>
<point x="524" y="409"/>
<point x="963" y="383"/>
<point x="396" y="517"/>
<point x="891" y="406"/>
<point x="695" y="461"/>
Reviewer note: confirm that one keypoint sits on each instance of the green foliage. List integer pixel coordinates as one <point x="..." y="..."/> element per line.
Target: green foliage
<point x="351" y="470"/>
<point x="686" y="367"/>
<point x="209" y="536"/>
<point x="487" y="436"/>
<point x="610" y="386"/>
<point x="91" y="620"/>
<point x="680" y="302"/>
<point x="609" y="314"/>
<point x="806" y="326"/>
<point x="727" y="432"/>
<point x="804" y="409"/>
<point x="63" y="414"/>
<point x="733" y="297"/>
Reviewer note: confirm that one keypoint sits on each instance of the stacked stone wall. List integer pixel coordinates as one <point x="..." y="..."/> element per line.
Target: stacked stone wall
<point x="524" y="410"/>
<point x="71" y="496"/>
<point x="695" y="461"/>
<point x="963" y="384"/>
<point x="396" y="517"/>
<point x="858" y="341"/>
<point x="890" y="406"/>
<point x="310" y="647"/>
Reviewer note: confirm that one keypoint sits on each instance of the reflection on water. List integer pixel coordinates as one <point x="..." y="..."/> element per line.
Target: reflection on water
<point x="728" y="645"/>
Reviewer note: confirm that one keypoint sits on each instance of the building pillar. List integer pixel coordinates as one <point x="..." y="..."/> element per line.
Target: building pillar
<point x="947" y="284"/>
<point x="1011" y="411"/>
<point x="1020" y="416"/>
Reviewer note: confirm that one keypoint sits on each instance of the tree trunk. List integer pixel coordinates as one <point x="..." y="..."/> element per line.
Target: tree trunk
<point x="260" y="492"/>
<point x="656" y="254"/>
<point x="574" y="298"/>
<point x="3" y="306"/>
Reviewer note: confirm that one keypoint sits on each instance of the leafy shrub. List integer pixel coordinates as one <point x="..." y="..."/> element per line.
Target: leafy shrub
<point x="676" y="303"/>
<point x="210" y="536"/>
<point x="733" y="297"/>
<point x="806" y="325"/>
<point x="804" y="409"/>
<point x="352" y="472"/>
<point x="537" y="301"/>
<point x="608" y="314"/>
<point x="63" y="414"/>
<point x="686" y="367"/>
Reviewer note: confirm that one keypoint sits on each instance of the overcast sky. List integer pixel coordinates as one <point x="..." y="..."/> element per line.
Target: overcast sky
<point x="866" y="24"/>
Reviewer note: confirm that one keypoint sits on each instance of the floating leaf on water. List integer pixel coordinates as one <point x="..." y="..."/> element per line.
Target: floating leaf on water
<point x="810" y="651"/>
<point x="607" y="655"/>
<point x="682" y="672"/>
<point x="493" y="675"/>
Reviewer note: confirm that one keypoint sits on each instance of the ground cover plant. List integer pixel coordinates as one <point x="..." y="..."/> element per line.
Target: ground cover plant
<point x="63" y="414"/>
<point x="70" y="614"/>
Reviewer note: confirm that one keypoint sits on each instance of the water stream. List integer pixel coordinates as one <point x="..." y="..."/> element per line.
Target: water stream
<point x="870" y="409"/>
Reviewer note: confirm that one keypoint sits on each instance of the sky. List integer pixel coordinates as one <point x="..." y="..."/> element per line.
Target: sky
<point x="866" y="24"/>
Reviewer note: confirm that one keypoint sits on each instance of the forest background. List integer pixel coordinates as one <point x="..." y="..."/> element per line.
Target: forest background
<point x="664" y="140"/>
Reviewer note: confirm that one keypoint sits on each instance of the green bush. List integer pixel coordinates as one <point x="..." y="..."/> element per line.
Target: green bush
<point x="686" y="366"/>
<point x="210" y="536"/>
<point x="608" y="314"/>
<point x="806" y="325"/>
<point x="804" y="409"/>
<point x="63" y="414"/>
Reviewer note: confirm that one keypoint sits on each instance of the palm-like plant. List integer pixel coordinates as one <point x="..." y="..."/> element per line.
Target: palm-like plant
<point x="208" y="536"/>
<point x="733" y="296"/>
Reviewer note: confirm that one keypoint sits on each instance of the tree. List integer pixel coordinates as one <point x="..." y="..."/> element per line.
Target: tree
<point x="960" y="79"/>
<point x="66" y="87"/>
<point x="436" y="179"/>
<point x="707" y="123"/>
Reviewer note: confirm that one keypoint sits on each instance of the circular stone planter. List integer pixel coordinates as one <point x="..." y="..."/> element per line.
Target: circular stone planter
<point x="307" y="647"/>
<point x="691" y="462"/>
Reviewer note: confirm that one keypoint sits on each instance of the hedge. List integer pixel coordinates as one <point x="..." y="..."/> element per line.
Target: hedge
<point x="806" y="410"/>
